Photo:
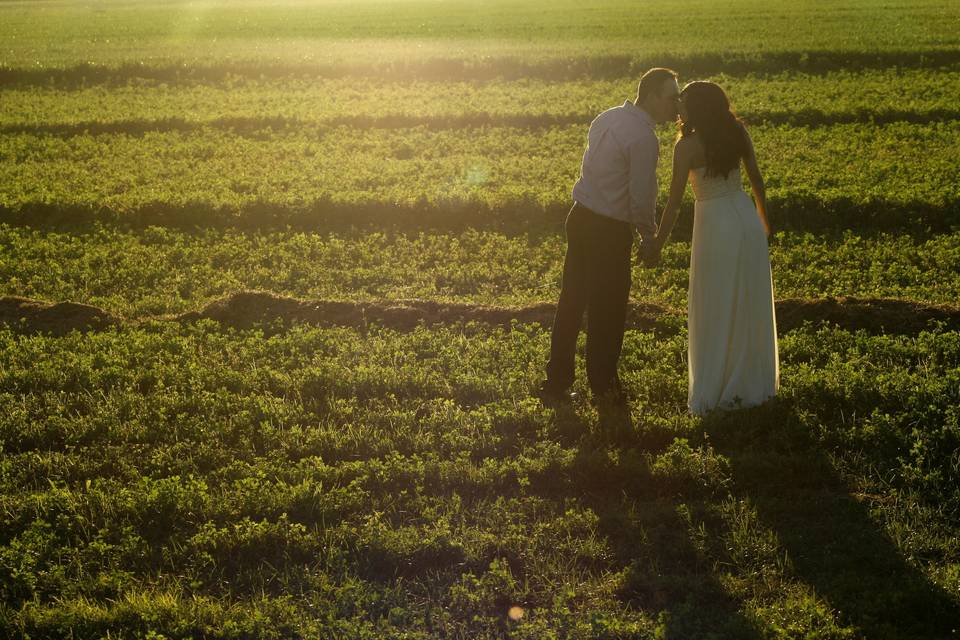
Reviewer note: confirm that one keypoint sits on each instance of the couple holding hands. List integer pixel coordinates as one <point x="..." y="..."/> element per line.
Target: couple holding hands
<point x="732" y="348"/>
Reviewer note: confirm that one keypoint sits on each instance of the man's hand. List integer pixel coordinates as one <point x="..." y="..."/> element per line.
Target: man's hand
<point x="649" y="252"/>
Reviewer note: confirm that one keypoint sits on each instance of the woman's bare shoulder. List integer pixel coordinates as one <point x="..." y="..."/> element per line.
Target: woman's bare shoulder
<point x="688" y="145"/>
<point x="689" y="150"/>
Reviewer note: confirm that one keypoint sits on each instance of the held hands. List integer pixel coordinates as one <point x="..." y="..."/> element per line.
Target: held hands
<point x="649" y="252"/>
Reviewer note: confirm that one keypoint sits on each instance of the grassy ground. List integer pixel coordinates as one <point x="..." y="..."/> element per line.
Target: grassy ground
<point x="154" y="271"/>
<point x="189" y="478"/>
<point x="786" y="97"/>
<point x="462" y="176"/>
<point x="375" y="34"/>
<point x="355" y="464"/>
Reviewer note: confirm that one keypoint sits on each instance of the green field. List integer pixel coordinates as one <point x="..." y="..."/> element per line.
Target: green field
<point x="353" y="452"/>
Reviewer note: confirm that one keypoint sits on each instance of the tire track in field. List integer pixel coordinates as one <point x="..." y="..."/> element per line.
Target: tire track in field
<point x="259" y="309"/>
<point x="494" y="68"/>
<point x="257" y="126"/>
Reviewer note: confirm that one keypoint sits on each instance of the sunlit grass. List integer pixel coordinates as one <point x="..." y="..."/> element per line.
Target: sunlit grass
<point x="65" y="33"/>
<point x="390" y="476"/>
<point x="158" y="271"/>
<point x="525" y="170"/>
<point x="805" y="98"/>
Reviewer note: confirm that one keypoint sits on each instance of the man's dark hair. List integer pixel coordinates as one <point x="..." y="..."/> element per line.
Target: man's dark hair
<point x="652" y="81"/>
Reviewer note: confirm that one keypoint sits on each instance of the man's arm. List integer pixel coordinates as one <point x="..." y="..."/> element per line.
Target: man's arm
<point x="644" y="155"/>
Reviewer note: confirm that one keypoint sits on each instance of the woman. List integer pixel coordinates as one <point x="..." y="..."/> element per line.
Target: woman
<point x="733" y="358"/>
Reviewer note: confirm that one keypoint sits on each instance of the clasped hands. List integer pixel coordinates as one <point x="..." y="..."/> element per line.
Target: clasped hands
<point x="649" y="252"/>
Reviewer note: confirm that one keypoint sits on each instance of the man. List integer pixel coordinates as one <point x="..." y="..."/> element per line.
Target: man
<point x="616" y="192"/>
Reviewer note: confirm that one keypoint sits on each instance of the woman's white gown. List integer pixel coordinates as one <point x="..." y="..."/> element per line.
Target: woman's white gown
<point x="733" y="359"/>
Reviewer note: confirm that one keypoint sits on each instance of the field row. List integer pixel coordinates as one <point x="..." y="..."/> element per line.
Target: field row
<point x="164" y="271"/>
<point x="331" y="34"/>
<point x="913" y="95"/>
<point x="406" y="481"/>
<point x="439" y="61"/>
<point x="857" y="175"/>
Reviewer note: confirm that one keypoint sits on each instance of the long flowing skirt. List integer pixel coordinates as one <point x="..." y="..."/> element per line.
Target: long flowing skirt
<point x="733" y="358"/>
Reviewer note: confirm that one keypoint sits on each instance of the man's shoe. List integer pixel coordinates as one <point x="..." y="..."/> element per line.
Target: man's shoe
<point x="551" y="394"/>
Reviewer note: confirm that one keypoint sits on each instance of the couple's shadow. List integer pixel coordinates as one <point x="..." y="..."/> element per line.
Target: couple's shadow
<point x="780" y="529"/>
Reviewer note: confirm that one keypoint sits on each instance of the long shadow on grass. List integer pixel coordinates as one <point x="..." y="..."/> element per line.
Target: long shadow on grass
<point x="833" y="543"/>
<point x="642" y="521"/>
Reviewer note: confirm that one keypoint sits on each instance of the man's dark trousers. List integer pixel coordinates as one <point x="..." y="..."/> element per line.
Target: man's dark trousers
<point x="596" y="279"/>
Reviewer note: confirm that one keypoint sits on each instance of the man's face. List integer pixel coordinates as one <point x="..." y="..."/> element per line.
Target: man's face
<point x="669" y="101"/>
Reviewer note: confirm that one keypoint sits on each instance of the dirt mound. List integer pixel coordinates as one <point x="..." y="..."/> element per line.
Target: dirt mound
<point x="877" y="315"/>
<point x="59" y="318"/>
<point x="249" y="309"/>
<point x="257" y="308"/>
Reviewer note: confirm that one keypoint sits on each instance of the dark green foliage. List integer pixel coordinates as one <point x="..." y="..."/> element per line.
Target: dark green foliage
<point x="236" y="482"/>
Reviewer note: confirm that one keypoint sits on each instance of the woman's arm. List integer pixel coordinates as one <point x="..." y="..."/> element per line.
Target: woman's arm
<point x="756" y="181"/>
<point x="678" y="183"/>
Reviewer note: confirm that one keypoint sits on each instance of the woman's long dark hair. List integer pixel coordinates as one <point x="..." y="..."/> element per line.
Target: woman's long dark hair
<point x="709" y="114"/>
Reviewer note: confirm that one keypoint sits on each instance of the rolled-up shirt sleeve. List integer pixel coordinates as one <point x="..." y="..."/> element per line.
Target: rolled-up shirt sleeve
<point x="644" y="154"/>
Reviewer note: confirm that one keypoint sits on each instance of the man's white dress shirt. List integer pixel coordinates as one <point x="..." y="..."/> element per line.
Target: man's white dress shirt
<point x="618" y="177"/>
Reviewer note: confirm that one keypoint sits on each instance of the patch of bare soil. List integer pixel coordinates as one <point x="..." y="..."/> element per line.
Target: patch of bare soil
<point x="56" y="318"/>
<point x="876" y="315"/>
<point x="249" y="309"/>
<point x="257" y="308"/>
